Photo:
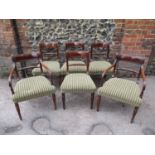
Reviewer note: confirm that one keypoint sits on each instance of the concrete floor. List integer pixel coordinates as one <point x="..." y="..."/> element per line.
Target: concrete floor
<point x="39" y="116"/>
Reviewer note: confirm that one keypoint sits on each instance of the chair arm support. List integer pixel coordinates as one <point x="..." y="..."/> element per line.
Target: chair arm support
<point x="105" y="71"/>
<point x="144" y="81"/>
<point x="142" y="73"/>
<point x="45" y="67"/>
<point x="10" y="79"/>
<point x="48" y="71"/>
<point x="143" y="89"/>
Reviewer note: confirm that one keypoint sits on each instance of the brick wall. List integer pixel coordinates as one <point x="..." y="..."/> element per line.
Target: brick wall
<point x="6" y="38"/>
<point x="134" y="37"/>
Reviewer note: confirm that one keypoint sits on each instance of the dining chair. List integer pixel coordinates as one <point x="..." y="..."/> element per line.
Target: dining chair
<point x="50" y="58"/>
<point x="74" y="46"/>
<point x="77" y="82"/>
<point x="98" y="66"/>
<point x="29" y="87"/>
<point x="124" y="90"/>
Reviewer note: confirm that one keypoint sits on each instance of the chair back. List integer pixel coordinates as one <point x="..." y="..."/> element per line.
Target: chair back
<point x="104" y="46"/>
<point x="81" y="54"/>
<point x="74" y="46"/>
<point x="132" y="60"/>
<point x="25" y="58"/>
<point x="49" y="50"/>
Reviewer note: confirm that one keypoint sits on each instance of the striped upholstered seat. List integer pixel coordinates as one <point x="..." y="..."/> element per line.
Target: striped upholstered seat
<point x="79" y="82"/>
<point x="121" y="90"/>
<point x="97" y="67"/>
<point x="74" y="69"/>
<point x="32" y="87"/>
<point x="53" y="66"/>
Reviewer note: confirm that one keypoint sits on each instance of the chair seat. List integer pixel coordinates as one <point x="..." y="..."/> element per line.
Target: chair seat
<point x="32" y="87"/>
<point x="78" y="82"/>
<point x="97" y="67"/>
<point x="74" y="69"/>
<point x="54" y="68"/>
<point x="121" y="90"/>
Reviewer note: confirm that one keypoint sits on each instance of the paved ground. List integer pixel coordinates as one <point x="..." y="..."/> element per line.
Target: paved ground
<point x="39" y="116"/>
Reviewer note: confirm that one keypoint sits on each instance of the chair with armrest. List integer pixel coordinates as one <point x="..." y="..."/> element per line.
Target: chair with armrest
<point x="48" y="51"/>
<point x="74" y="46"/>
<point x="124" y="90"/>
<point x="97" y="66"/>
<point x="29" y="87"/>
<point x="77" y="82"/>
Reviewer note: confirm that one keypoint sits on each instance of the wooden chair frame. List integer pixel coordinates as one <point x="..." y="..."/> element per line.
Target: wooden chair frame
<point x="141" y="74"/>
<point x="46" y="46"/>
<point x="100" y="45"/>
<point x="74" y="45"/>
<point x="84" y="55"/>
<point x="20" y="58"/>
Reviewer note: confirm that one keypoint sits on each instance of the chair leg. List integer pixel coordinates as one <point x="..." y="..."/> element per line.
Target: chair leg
<point x="98" y="102"/>
<point x="63" y="101"/>
<point x="54" y="101"/>
<point x="60" y="80"/>
<point x="18" y="111"/>
<point x="92" y="100"/>
<point x="51" y="79"/>
<point x="123" y="105"/>
<point x="134" y="114"/>
<point x="105" y="77"/>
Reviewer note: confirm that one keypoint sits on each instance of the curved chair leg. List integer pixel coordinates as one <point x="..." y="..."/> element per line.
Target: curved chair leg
<point x="60" y="80"/>
<point x="18" y="111"/>
<point x="98" y="102"/>
<point x="92" y="100"/>
<point x="54" y="101"/>
<point x="123" y="105"/>
<point x="51" y="79"/>
<point x="134" y="114"/>
<point x="63" y="101"/>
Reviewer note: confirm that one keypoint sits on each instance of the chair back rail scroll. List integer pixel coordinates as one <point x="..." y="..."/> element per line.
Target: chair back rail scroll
<point x="44" y="47"/>
<point x="73" y="54"/>
<point x="74" y="45"/>
<point x="104" y="46"/>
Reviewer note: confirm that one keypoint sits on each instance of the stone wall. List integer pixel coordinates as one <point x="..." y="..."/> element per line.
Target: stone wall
<point x="64" y="30"/>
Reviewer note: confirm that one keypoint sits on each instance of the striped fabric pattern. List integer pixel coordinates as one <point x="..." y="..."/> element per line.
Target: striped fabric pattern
<point x="97" y="67"/>
<point x="54" y="68"/>
<point x="121" y="90"/>
<point x="79" y="82"/>
<point x="32" y="87"/>
<point x="73" y="69"/>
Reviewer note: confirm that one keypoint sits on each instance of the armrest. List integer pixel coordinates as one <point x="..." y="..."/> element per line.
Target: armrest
<point x="144" y="81"/>
<point x="105" y="71"/>
<point x="45" y="67"/>
<point x="10" y="79"/>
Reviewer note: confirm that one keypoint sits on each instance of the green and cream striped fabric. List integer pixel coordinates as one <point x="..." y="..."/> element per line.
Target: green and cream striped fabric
<point x="121" y="90"/>
<point x="54" y="68"/>
<point x="32" y="87"/>
<point x="97" y="67"/>
<point x="74" y="69"/>
<point x="78" y="82"/>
